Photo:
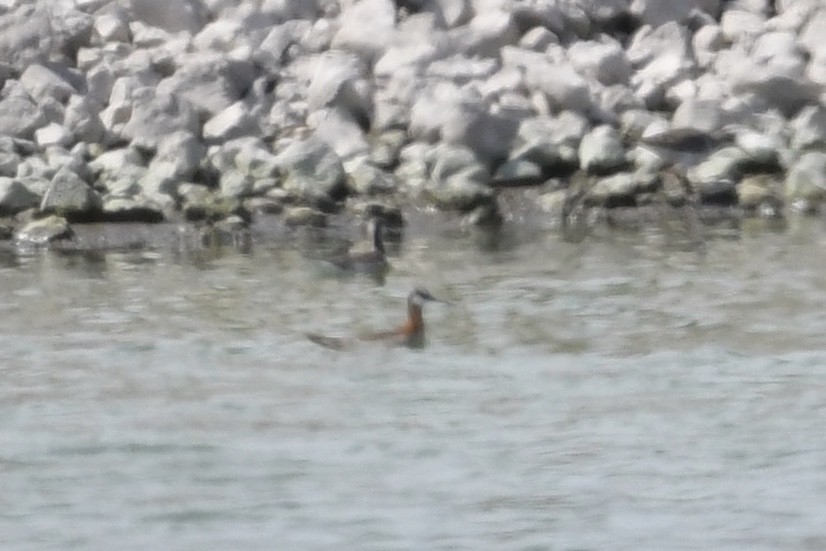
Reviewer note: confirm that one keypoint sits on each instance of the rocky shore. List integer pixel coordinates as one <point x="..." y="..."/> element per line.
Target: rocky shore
<point x="222" y="111"/>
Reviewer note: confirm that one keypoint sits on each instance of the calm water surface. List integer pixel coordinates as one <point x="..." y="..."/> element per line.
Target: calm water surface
<point x="624" y="393"/>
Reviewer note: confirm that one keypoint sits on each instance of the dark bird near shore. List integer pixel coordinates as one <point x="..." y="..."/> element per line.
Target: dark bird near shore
<point x="369" y="257"/>
<point x="411" y="333"/>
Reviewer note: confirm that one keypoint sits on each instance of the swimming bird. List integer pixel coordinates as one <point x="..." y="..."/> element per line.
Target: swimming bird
<point x="369" y="257"/>
<point x="410" y="333"/>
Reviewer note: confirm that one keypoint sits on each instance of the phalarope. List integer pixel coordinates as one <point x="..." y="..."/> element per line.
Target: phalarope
<point x="410" y="333"/>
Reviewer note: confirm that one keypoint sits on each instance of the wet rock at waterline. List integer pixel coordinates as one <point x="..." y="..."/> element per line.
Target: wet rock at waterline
<point x="114" y="112"/>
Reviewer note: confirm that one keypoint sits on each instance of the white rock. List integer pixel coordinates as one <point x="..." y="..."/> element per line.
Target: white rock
<point x="53" y="134"/>
<point x="807" y="178"/>
<point x="155" y="115"/>
<point x="761" y="7"/>
<point x="487" y="33"/>
<point x="461" y="69"/>
<point x="365" y="178"/>
<point x="25" y="36"/>
<point x="741" y="26"/>
<point x="69" y="194"/>
<point x="183" y="152"/>
<point x="99" y="82"/>
<point x="210" y="82"/>
<point x="82" y="120"/>
<point x="705" y="115"/>
<point x="601" y="151"/>
<point x="311" y="169"/>
<point x="338" y="81"/>
<point x="814" y="29"/>
<point x="20" y="116"/>
<point x="659" y="76"/>
<point x="604" y="61"/>
<point x="706" y="42"/>
<point x="285" y="10"/>
<point x="552" y="143"/>
<point x="41" y="83"/>
<point x="658" y="12"/>
<point x="338" y="129"/>
<point x="538" y="39"/>
<point x="564" y="87"/>
<point x="366" y="27"/>
<point x="233" y="122"/>
<point x="649" y="43"/>
<point x="112" y="27"/>
<point x="809" y="128"/>
<point x="180" y="15"/>
<point x="408" y="58"/>
<point x="116" y="161"/>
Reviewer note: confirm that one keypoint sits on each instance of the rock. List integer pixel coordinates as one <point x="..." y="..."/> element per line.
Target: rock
<point x="182" y="152"/>
<point x="156" y="115"/>
<point x="304" y="216"/>
<point x="725" y="164"/>
<point x="366" y="27"/>
<point x="458" y="181"/>
<point x="703" y="115"/>
<point x="807" y="179"/>
<point x="182" y="15"/>
<point x="487" y="33"/>
<point x="538" y="39"/>
<point x="741" y="26"/>
<point x="25" y="35"/>
<point x="53" y="134"/>
<point x="603" y="61"/>
<point x="209" y="82"/>
<point x="517" y="172"/>
<point x="658" y="12"/>
<point x="20" y="116"/>
<point x="706" y="42"/>
<point x="233" y="122"/>
<point x="70" y="196"/>
<point x="759" y="192"/>
<point x="552" y="143"/>
<point x="112" y="27"/>
<point x="809" y="127"/>
<point x="364" y="178"/>
<point x="15" y="197"/>
<point x="619" y="190"/>
<point x="41" y="82"/>
<point x="649" y="43"/>
<point x="116" y="161"/>
<point x="44" y="231"/>
<point x="235" y="184"/>
<point x="8" y="163"/>
<point x="338" y="81"/>
<point x="338" y="129"/>
<point x="311" y="169"/>
<point x="601" y="151"/>
<point x="82" y="121"/>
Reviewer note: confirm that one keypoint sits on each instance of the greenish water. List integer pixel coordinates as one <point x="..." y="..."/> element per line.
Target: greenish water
<point x="626" y="392"/>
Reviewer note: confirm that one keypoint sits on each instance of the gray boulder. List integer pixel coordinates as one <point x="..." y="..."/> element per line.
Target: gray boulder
<point x="311" y="169"/>
<point x="20" y="116"/>
<point x="601" y="151"/>
<point x="806" y="181"/>
<point x="181" y="15"/>
<point x="155" y="115"/>
<point x="233" y="122"/>
<point x="15" y="197"/>
<point x="70" y="196"/>
<point x="43" y="231"/>
<point x="41" y="82"/>
<point x="209" y="82"/>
